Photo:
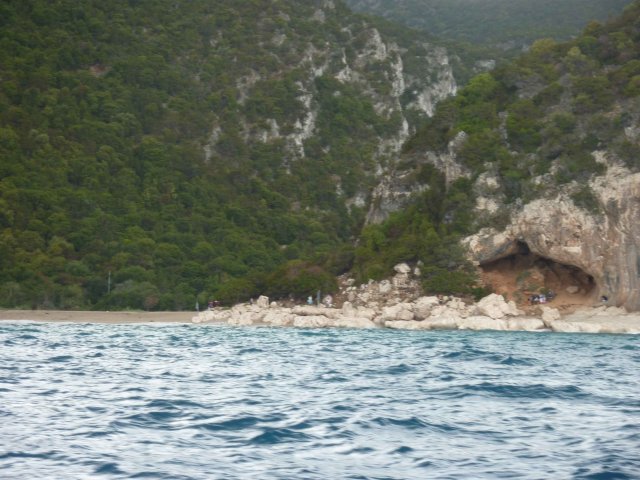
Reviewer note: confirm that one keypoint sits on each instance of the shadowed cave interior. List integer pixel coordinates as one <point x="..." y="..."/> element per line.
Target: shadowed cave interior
<point x="525" y="273"/>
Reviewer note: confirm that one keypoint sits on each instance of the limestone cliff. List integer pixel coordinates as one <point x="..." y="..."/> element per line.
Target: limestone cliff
<point x="547" y="148"/>
<point x="603" y="245"/>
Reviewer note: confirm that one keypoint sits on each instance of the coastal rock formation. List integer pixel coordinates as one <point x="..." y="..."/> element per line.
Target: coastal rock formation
<point x="604" y="246"/>
<point x="420" y="313"/>
<point x="398" y="304"/>
<point x="454" y="314"/>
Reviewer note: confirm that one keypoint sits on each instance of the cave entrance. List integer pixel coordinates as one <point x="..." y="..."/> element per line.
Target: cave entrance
<point x="524" y="273"/>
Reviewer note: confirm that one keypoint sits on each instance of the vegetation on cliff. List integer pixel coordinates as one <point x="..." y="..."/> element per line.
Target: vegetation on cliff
<point x="549" y="121"/>
<point x="155" y="153"/>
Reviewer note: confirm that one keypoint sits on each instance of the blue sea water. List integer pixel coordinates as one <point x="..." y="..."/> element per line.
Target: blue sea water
<point x="82" y="401"/>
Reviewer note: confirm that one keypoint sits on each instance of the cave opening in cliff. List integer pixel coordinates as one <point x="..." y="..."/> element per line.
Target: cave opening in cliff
<point x="523" y="274"/>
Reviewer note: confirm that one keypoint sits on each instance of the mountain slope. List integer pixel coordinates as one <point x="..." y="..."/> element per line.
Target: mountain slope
<point x="157" y="152"/>
<point x="539" y="156"/>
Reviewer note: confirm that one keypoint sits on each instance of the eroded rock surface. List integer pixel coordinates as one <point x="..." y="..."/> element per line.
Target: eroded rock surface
<point x="605" y="245"/>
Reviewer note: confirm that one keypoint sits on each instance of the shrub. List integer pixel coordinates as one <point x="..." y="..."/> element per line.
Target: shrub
<point x="300" y="279"/>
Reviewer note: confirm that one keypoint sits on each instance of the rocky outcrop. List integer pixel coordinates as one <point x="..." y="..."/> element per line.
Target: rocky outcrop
<point x="398" y="187"/>
<point x="427" y="313"/>
<point x="605" y="245"/>
<point x="396" y="303"/>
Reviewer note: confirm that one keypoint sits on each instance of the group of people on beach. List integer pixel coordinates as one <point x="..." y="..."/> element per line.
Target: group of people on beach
<point x="539" y="298"/>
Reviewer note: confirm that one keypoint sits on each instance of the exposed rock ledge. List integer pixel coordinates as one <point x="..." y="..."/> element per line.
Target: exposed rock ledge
<point x="426" y="313"/>
<point x="604" y="245"/>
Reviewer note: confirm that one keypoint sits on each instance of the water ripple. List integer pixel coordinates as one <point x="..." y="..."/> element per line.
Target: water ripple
<point x="173" y="402"/>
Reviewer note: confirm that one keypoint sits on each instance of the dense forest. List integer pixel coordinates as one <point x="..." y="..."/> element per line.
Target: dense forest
<point x="154" y="153"/>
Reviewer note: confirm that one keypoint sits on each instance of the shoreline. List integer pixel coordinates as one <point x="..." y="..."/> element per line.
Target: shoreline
<point x="586" y="320"/>
<point x="88" y="316"/>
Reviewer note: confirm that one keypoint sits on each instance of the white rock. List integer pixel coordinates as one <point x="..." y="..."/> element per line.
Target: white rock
<point x="496" y="307"/>
<point x="528" y="324"/>
<point x="513" y="309"/>
<point x="310" y="310"/>
<point x="457" y="304"/>
<point x="572" y="289"/>
<point x="549" y="314"/>
<point x="405" y="325"/>
<point x="366" y="312"/>
<point x="348" y="310"/>
<point x="401" y="280"/>
<point x="402" y="268"/>
<point x="401" y="311"/>
<point x="483" y="323"/>
<point x="279" y="318"/>
<point x="243" y="319"/>
<point x="442" y="322"/>
<point x="575" y="327"/>
<point x="384" y="287"/>
<point x="612" y="311"/>
<point x="262" y="302"/>
<point x="422" y="307"/>
<point x="354" y="322"/>
<point x="312" y="321"/>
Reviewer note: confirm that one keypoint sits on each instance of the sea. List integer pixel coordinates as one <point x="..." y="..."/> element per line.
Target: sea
<point x="150" y="401"/>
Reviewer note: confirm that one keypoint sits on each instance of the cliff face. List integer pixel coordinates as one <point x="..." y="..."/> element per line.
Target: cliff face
<point x="548" y="149"/>
<point x="603" y="245"/>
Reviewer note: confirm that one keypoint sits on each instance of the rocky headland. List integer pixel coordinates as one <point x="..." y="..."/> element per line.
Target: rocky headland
<point x="397" y="304"/>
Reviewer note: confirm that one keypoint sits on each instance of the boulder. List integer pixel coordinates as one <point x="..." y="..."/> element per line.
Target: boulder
<point x="422" y="307"/>
<point x="310" y="310"/>
<point x="279" y="318"/>
<point x="528" y="324"/>
<point x="354" y="322"/>
<point x="262" y="302"/>
<point x="479" y="322"/>
<point x="575" y="327"/>
<point x="442" y="322"/>
<point x="312" y="321"/>
<point x="366" y="312"/>
<point x="549" y="314"/>
<point x="401" y="280"/>
<point x="384" y="287"/>
<point x="402" y="268"/>
<point x="405" y="325"/>
<point x="495" y="306"/>
<point x="348" y="310"/>
<point x="400" y="311"/>
<point x="243" y="319"/>
<point x="212" y="316"/>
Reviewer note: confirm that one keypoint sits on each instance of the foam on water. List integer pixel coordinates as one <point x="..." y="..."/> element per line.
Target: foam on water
<point x="204" y="402"/>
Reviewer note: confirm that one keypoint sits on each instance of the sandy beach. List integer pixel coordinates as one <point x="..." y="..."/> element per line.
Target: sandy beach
<point x="96" y="317"/>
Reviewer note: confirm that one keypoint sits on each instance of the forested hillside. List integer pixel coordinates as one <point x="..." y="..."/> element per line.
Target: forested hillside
<point x="500" y="23"/>
<point x="153" y="153"/>
<point x="551" y="121"/>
